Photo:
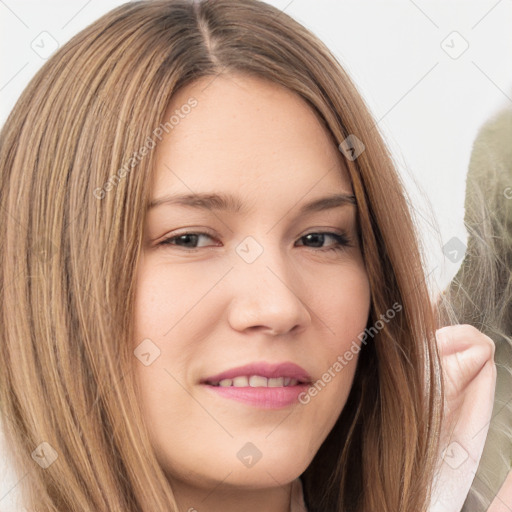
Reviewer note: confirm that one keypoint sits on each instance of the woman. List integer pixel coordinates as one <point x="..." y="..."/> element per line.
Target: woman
<point x="139" y="370"/>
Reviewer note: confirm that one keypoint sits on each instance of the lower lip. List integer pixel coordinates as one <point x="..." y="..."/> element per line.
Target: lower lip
<point x="265" y="398"/>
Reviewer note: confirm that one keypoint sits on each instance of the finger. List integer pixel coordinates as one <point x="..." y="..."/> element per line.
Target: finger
<point x="456" y="338"/>
<point x="462" y="367"/>
<point x="469" y="373"/>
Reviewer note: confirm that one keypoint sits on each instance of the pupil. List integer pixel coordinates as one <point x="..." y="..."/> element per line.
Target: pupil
<point x="317" y="239"/>
<point x="189" y="238"/>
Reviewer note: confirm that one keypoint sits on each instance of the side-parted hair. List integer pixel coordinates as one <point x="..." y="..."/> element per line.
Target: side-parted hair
<point x="73" y="197"/>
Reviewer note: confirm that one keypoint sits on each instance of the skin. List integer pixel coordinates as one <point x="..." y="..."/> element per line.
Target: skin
<point x="469" y="371"/>
<point x="208" y="310"/>
<point x="503" y="501"/>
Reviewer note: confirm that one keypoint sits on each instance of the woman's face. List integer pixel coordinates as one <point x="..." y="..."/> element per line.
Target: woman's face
<point x="269" y="283"/>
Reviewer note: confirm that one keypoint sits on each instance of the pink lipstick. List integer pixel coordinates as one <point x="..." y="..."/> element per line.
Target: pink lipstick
<point x="262" y="384"/>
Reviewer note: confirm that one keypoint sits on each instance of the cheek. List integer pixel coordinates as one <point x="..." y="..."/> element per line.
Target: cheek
<point x="343" y="306"/>
<point x="160" y="299"/>
<point x="343" y="302"/>
<point x="165" y="298"/>
<point x="171" y="306"/>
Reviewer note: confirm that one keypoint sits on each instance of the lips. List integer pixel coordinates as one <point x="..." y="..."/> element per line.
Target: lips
<point x="288" y="371"/>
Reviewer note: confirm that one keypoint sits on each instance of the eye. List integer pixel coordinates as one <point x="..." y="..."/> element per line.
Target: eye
<point x="189" y="240"/>
<point x="341" y="240"/>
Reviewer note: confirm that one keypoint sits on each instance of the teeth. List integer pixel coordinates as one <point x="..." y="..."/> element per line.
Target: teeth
<point x="240" y="382"/>
<point x="276" y="382"/>
<point x="257" y="381"/>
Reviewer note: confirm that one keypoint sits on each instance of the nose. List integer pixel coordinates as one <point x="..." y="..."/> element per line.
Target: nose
<point x="263" y="298"/>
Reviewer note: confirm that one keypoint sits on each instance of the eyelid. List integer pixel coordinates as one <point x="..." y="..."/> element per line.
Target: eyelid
<point x="344" y="238"/>
<point x="186" y="231"/>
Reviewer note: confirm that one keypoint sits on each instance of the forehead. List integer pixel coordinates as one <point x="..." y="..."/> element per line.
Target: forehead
<point x="246" y="132"/>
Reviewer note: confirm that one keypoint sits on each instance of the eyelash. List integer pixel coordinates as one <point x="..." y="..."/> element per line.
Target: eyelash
<point x="343" y="240"/>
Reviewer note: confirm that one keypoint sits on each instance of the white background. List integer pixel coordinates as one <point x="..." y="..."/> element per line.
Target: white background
<point x="428" y="104"/>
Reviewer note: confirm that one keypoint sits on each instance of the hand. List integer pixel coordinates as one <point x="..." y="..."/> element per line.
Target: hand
<point x="469" y="375"/>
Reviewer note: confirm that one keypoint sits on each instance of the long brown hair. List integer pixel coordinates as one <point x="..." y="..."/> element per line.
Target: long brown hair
<point x="72" y="212"/>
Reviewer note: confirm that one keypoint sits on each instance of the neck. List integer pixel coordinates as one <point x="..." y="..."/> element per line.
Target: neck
<point x="226" y="498"/>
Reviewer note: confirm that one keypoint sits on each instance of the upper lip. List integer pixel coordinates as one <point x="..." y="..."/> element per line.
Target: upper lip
<point x="269" y="370"/>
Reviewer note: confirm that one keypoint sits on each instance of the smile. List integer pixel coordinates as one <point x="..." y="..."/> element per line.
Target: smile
<point x="256" y="381"/>
<point x="260" y="397"/>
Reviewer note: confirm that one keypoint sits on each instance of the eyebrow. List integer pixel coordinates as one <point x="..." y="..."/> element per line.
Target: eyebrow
<point x="232" y="204"/>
